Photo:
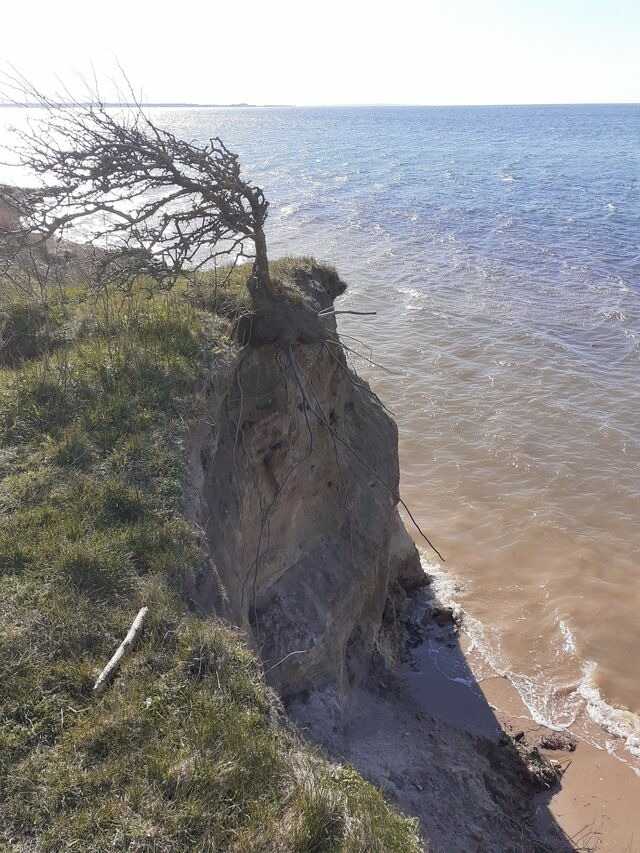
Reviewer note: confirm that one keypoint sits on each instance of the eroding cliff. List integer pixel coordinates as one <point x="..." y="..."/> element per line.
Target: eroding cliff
<point x="294" y="481"/>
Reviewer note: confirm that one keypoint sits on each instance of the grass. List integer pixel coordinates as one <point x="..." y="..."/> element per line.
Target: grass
<point x="185" y="750"/>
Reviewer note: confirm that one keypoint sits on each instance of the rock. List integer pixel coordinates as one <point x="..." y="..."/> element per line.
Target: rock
<point x="442" y="616"/>
<point x="11" y="201"/>
<point x="54" y="261"/>
<point x="542" y="773"/>
<point x="557" y="740"/>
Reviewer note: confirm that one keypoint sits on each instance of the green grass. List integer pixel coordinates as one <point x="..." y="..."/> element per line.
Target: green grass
<point x="184" y="751"/>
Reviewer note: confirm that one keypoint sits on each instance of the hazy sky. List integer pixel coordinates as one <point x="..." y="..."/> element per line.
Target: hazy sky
<point x="337" y="51"/>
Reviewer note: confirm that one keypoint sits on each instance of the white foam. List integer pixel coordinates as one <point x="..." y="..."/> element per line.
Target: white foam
<point x="447" y="589"/>
<point x="569" y="646"/>
<point x="548" y="705"/>
<point x="444" y="584"/>
<point x="468" y="682"/>
<point x="616" y="721"/>
<point x="288" y="209"/>
<point x="544" y="704"/>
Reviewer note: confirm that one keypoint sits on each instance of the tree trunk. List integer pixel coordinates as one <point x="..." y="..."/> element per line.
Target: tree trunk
<point x="261" y="265"/>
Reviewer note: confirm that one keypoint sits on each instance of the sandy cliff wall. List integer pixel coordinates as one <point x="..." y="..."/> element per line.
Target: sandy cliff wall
<point x="293" y="487"/>
<point x="306" y="547"/>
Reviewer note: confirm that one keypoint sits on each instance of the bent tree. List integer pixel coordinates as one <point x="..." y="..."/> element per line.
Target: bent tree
<point x="156" y="204"/>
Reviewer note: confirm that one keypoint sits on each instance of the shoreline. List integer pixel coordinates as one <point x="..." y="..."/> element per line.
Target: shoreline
<point x="595" y="802"/>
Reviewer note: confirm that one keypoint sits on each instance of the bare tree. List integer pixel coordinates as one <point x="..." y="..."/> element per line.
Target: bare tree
<point x="158" y="205"/>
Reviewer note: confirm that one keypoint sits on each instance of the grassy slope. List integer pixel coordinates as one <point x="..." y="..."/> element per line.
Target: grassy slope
<point x="183" y="751"/>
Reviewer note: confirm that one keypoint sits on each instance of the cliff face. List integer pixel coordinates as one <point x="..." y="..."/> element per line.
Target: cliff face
<point x="294" y="480"/>
<point x="293" y="485"/>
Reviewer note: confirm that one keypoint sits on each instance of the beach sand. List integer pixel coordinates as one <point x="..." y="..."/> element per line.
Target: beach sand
<point x="596" y="803"/>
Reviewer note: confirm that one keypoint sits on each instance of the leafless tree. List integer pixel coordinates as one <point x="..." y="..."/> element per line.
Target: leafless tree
<point x="149" y="202"/>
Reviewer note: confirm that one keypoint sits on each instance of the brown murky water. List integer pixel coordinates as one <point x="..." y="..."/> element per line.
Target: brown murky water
<point x="523" y="465"/>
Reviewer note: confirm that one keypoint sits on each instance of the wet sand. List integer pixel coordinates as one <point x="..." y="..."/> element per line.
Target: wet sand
<point x="597" y="802"/>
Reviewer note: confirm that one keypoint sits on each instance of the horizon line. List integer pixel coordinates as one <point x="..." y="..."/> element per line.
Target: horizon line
<point x="244" y="105"/>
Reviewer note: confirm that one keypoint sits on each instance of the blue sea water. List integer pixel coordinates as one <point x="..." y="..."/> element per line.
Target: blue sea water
<point x="500" y="247"/>
<point x="515" y="189"/>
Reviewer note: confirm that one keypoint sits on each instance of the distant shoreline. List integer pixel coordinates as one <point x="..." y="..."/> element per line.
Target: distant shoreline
<point x="132" y="105"/>
<point x="187" y="105"/>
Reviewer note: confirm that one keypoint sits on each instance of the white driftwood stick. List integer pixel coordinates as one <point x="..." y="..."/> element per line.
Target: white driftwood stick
<point x="114" y="664"/>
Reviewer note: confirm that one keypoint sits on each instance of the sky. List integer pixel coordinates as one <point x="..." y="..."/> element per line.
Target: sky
<point x="333" y="51"/>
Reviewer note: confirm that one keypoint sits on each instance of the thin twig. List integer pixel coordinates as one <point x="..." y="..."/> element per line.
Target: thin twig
<point x="296" y="652"/>
<point x="340" y="343"/>
<point x="329" y="312"/>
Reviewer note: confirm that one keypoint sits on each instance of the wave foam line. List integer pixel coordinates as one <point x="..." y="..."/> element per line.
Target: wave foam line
<point x="619" y="722"/>
<point x="543" y="705"/>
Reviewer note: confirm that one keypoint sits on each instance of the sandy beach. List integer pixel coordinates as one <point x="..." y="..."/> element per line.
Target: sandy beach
<point x="595" y="803"/>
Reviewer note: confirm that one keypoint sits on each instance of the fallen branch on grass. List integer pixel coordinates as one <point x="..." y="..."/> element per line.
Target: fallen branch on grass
<point x="107" y="674"/>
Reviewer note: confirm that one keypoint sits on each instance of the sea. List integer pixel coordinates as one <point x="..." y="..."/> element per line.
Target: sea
<point x="500" y="250"/>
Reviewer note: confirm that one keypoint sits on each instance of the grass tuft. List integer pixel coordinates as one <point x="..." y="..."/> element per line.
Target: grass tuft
<point x="28" y="330"/>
